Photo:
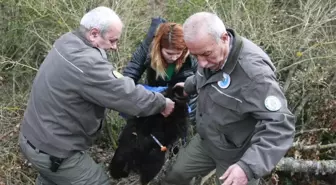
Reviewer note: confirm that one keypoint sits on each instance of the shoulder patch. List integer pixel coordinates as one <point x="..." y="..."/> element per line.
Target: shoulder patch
<point x="117" y="74"/>
<point x="272" y="103"/>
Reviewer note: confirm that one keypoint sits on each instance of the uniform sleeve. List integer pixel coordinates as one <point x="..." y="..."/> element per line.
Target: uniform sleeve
<point x="190" y="85"/>
<point x="101" y="86"/>
<point x="136" y="66"/>
<point x="274" y="131"/>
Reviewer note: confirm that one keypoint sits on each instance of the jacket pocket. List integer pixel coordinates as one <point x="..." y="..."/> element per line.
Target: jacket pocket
<point x="223" y="108"/>
<point x="237" y="134"/>
<point x="224" y="99"/>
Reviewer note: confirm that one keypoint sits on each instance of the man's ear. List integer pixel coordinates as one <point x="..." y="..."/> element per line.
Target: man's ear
<point x="225" y="37"/>
<point x="93" y="33"/>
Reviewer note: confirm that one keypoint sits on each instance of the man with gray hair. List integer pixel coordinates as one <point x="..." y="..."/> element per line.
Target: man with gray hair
<point x="68" y="100"/>
<point x="244" y="126"/>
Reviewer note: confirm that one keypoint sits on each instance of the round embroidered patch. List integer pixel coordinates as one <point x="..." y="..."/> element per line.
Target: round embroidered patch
<point x="225" y="82"/>
<point x="272" y="103"/>
<point x="117" y="74"/>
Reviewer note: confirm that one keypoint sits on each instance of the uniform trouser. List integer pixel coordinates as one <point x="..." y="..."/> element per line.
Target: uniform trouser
<point x="78" y="169"/>
<point x="193" y="161"/>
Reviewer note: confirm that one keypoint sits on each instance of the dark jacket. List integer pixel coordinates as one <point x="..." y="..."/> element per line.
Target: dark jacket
<point x="141" y="62"/>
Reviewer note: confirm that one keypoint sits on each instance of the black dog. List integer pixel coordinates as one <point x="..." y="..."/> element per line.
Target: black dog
<point x="137" y="150"/>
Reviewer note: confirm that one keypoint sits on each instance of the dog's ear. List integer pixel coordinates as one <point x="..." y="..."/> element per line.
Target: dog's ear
<point x="178" y="91"/>
<point x="168" y="92"/>
<point x="178" y="95"/>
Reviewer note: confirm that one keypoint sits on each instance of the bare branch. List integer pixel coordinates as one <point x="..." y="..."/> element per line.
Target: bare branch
<point x="305" y="60"/>
<point x="289" y="78"/>
<point x="300" y="146"/>
<point x="297" y="165"/>
<point x="313" y="130"/>
<point x="302" y="104"/>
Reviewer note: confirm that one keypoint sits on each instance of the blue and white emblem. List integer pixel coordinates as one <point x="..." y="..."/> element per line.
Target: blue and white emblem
<point x="225" y="82"/>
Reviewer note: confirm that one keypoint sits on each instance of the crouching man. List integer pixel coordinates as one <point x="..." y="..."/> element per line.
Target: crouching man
<point x="71" y="91"/>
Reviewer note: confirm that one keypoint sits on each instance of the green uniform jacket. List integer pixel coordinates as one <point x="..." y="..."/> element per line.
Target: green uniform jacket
<point x="248" y="121"/>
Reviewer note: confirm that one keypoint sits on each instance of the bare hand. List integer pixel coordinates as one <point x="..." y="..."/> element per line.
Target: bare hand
<point x="181" y="84"/>
<point x="169" y="107"/>
<point x="234" y="175"/>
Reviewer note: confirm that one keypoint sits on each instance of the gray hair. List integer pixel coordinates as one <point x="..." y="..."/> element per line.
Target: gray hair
<point x="100" y="18"/>
<point x="203" y="22"/>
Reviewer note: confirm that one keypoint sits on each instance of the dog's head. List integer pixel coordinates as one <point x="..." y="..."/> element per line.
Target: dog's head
<point x="177" y="95"/>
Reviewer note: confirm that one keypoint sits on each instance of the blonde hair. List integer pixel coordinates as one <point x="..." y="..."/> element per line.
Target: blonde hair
<point x="169" y="36"/>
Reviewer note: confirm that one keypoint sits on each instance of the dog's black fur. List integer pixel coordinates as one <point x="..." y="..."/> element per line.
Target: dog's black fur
<point x="137" y="151"/>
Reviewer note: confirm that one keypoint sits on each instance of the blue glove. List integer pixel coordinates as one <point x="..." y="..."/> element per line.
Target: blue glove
<point x="150" y="88"/>
<point x="160" y="89"/>
<point x="154" y="89"/>
<point x="125" y="116"/>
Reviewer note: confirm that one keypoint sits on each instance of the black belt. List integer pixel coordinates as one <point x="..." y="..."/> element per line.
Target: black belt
<point x="30" y="144"/>
<point x="55" y="161"/>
